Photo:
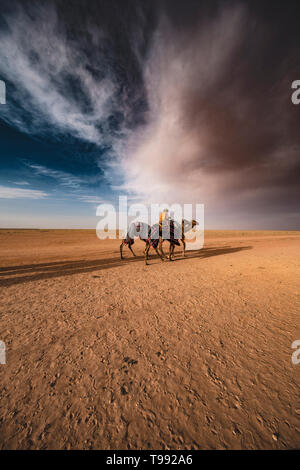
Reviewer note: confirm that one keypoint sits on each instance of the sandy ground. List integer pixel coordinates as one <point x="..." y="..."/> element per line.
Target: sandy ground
<point x="107" y="354"/>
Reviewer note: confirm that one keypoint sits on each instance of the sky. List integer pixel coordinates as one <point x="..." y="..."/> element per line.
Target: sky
<point x="162" y="101"/>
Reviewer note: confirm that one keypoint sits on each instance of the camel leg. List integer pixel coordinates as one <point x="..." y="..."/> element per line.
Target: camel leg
<point x="146" y="252"/>
<point x="121" y="250"/>
<point x="170" y="252"/>
<point x="129" y="246"/>
<point x="161" y="247"/>
<point x="161" y="257"/>
<point x="172" y="248"/>
<point x="183" y="243"/>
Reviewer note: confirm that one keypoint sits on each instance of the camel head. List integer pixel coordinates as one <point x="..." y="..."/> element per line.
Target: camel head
<point x="193" y="223"/>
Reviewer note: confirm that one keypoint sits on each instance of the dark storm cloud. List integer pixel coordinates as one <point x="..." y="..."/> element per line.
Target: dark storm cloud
<point x="189" y="101"/>
<point x="223" y="129"/>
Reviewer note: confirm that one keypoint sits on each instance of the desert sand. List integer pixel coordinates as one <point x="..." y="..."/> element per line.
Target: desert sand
<point x="190" y="354"/>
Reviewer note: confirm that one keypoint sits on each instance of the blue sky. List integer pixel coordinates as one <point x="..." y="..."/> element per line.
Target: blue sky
<point x="68" y="108"/>
<point x="43" y="185"/>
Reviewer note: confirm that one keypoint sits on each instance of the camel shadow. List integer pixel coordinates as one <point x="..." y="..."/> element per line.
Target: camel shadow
<point x="207" y="252"/>
<point x="41" y="271"/>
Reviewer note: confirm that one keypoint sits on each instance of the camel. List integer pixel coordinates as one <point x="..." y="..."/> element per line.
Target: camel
<point x="135" y="228"/>
<point x="156" y="239"/>
<point x="186" y="226"/>
<point x="153" y="240"/>
<point x="152" y="236"/>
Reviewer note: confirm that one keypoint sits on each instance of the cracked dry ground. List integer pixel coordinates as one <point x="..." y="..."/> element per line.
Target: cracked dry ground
<point x="106" y="354"/>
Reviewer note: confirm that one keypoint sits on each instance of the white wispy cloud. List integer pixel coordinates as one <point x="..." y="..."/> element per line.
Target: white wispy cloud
<point x="165" y="159"/>
<point x="93" y="199"/>
<point x="62" y="177"/>
<point x="20" y="193"/>
<point x="68" y="181"/>
<point x="39" y="60"/>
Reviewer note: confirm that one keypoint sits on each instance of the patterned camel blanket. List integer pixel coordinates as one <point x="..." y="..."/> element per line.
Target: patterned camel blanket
<point x="139" y="229"/>
<point x="128" y="241"/>
<point x="169" y="230"/>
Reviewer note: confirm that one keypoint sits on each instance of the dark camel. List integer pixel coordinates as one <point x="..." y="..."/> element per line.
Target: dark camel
<point x="186" y="226"/>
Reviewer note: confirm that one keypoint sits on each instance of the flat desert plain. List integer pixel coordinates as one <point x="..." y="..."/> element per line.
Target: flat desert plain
<point x="190" y="354"/>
